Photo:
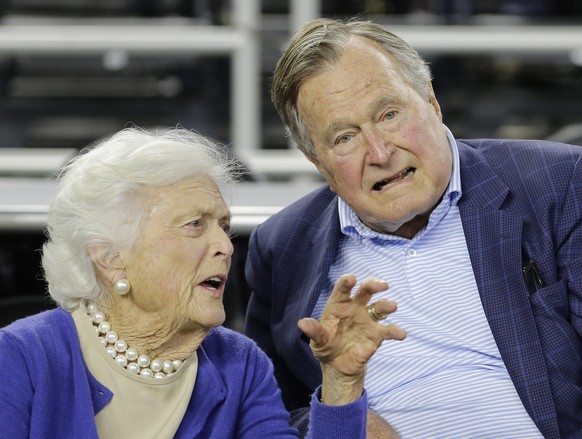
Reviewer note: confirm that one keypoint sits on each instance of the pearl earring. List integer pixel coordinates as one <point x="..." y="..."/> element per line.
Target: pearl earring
<point x="122" y="286"/>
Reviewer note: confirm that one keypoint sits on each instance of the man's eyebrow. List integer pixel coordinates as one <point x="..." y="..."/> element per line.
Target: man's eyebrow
<point x="388" y="100"/>
<point x="331" y="131"/>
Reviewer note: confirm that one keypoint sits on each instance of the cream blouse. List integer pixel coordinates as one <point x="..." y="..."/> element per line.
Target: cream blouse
<point x="141" y="407"/>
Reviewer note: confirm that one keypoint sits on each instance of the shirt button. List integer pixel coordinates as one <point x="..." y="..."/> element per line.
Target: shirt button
<point x="412" y="252"/>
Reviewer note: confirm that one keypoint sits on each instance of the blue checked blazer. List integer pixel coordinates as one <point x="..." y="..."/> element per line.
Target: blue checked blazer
<point x="522" y="200"/>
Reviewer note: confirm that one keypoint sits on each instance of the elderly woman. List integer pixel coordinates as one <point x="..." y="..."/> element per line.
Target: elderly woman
<point x="137" y="257"/>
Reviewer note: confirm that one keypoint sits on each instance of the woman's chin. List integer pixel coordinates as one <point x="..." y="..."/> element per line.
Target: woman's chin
<point x="219" y="320"/>
<point x="214" y="318"/>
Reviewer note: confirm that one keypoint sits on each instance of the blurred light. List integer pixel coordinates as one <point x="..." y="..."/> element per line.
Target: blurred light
<point x="115" y="60"/>
<point x="170" y="86"/>
<point x="576" y="57"/>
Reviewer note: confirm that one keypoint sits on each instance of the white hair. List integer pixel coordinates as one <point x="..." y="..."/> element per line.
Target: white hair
<point x="102" y="198"/>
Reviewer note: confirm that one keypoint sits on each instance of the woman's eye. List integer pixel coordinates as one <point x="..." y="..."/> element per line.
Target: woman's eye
<point x="227" y="228"/>
<point x="389" y="115"/>
<point x="195" y="223"/>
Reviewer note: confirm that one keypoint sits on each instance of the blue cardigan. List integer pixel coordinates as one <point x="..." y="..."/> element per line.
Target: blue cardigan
<point x="48" y="391"/>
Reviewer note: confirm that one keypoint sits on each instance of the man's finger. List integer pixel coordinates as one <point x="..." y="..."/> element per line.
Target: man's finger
<point x="342" y="289"/>
<point x="385" y="307"/>
<point x="368" y="288"/>
<point x="313" y="329"/>
<point x="393" y="332"/>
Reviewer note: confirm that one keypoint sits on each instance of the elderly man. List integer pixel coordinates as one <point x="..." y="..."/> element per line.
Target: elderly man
<point x="479" y="241"/>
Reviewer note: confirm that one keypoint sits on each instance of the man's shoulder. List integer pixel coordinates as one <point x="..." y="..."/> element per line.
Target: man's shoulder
<point x="307" y="216"/>
<point x="511" y="156"/>
<point x="317" y="198"/>
<point x="522" y="166"/>
<point x="307" y="208"/>
<point x="518" y="147"/>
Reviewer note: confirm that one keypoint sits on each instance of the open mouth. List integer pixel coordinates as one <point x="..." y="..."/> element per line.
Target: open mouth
<point x="214" y="282"/>
<point x="399" y="177"/>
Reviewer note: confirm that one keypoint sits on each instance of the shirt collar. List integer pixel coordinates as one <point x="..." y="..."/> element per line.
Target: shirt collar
<point x="350" y="224"/>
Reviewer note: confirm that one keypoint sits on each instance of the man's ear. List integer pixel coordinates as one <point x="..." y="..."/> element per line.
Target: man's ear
<point x="313" y="159"/>
<point x="322" y="171"/>
<point x="435" y="104"/>
<point x="107" y="260"/>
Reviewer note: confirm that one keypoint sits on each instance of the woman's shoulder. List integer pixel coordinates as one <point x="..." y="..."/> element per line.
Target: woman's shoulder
<point x="237" y="359"/>
<point x="37" y="329"/>
<point x="226" y="345"/>
<point x="224" y="338"/>
<point x="40" y="345"/>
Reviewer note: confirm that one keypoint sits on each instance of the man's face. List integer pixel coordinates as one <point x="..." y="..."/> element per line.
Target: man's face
<point x="380" y="145"/>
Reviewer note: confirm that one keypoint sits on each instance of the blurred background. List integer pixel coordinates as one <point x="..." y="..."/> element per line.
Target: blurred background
<point x="74" y="71"/>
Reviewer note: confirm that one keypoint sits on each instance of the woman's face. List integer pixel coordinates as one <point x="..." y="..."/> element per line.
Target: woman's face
<point x="180" y="262"/>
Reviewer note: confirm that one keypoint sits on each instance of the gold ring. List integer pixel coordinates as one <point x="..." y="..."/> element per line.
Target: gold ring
<point x="374" y="314"/>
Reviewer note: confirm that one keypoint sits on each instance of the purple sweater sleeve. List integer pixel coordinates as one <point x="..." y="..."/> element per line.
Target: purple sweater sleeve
<point x="262" y="413"/>
<point x="345" y="421"/>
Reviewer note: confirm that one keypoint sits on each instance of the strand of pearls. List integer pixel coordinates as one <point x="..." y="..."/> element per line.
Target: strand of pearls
<point x="126" y="357"/>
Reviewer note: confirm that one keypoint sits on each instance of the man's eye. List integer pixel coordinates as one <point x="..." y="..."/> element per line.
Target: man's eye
<point x="389" y="115"/>
<point x="343" y="139"/>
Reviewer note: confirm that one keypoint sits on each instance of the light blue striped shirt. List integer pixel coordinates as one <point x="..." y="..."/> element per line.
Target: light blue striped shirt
<point x="447" y="378"/>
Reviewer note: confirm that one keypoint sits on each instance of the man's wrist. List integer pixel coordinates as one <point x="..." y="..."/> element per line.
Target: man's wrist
<point x="338" y="389"/>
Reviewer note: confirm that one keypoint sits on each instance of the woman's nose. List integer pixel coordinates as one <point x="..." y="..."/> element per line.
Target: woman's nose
<point x="223" y="244"/>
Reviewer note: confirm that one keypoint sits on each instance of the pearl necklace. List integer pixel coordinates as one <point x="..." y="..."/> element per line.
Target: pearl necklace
<point x="126" y="357"/>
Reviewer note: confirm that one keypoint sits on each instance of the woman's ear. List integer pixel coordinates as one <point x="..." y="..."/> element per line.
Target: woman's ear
<point x="107" y="261"/>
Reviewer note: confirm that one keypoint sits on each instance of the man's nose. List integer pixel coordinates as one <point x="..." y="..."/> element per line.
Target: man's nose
<point x="379" y="148"/>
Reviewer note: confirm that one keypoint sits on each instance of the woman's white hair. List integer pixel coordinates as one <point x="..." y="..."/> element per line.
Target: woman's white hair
<point x="101" y="199"/>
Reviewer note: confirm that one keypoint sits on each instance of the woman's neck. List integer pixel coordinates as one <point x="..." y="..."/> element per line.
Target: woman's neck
<point x="153" y="335"/>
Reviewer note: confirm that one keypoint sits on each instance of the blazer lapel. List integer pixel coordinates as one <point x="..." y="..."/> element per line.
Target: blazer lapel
<point x="324" y="237"/>
<point x="494" y="241"/>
